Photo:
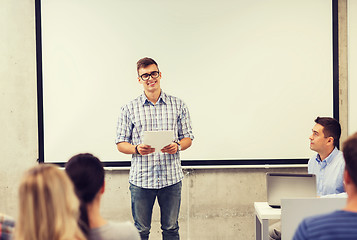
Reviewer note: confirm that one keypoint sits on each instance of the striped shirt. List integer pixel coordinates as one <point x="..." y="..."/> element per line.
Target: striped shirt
<point x="156" y="170"/>
<point x="6" y="227"/>
<point x="329" y="172"/>
<point x="333" y="226"/>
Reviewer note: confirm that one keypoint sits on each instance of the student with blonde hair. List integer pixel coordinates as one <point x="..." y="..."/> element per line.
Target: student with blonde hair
<point x="48" y="206"/>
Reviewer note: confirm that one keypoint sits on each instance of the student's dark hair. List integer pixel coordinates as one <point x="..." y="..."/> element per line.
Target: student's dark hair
<point x="332" y="128"/>
<point x="349" y="149"/>
<point x="87" y="174"/>
<point x="144" y="62"/>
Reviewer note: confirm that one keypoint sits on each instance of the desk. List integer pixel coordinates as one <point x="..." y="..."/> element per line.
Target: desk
<point x="263" y="212"/>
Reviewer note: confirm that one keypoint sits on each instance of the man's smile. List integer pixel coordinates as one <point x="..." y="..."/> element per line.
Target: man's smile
<point x="151" y="83"/>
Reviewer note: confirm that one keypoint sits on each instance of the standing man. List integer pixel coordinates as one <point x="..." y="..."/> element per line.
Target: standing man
<point x="340" y="224"/>
<point x="328" y="164"/>
<point x="154" y="174"/>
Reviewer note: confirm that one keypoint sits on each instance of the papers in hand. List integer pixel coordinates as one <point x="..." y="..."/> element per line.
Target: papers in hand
<point x="158" y="139"/>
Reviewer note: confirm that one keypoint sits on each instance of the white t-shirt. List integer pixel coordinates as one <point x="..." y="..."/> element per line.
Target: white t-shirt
<point x="115" y="231"/>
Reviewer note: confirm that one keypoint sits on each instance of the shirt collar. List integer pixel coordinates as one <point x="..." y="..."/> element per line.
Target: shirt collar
<point x="329" y="158"/>
<point x="162" y="98"/>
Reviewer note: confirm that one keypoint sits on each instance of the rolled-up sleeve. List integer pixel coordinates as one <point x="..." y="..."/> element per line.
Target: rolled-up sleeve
<point x="184" y="124"/>
<point x="124" y="126"/>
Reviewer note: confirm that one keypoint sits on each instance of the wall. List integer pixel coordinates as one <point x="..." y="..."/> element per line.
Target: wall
<point x="18" y="102"/>
<point x="216" y="203"/>
<point x="352" y="62"/>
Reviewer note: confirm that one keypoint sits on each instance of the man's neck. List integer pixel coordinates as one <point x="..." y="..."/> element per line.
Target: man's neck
<point x="325" y="154"/>
<point x="351" y="202"/>
<point x="153" y="96"/>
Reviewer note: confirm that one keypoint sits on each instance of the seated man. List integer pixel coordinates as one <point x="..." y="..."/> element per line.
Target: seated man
<point x="327" y="164"/>
<point x="6" y="227"/>
<point x="340" y="224"/>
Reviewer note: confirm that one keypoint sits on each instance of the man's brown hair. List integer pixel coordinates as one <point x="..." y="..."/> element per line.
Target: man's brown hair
<point x="144" y="62"/>
<point x="350" y="155"/>
<point x="332" y="128"/>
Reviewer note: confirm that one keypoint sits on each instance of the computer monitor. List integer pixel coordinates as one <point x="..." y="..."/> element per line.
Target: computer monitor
<point x="289" y="185"/>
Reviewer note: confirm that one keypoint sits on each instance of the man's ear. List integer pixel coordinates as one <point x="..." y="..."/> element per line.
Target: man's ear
<point x="102" y="189"/>
<point x="346" y="177"/>
<point x="330" y="141"/>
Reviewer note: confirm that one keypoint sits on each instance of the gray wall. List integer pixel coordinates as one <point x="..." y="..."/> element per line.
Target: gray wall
<point x="216" y="203"/>
<point x="18" y="102"/>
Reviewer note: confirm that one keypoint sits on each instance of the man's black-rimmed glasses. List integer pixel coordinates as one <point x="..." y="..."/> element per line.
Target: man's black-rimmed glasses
<point x="146" y="76"/>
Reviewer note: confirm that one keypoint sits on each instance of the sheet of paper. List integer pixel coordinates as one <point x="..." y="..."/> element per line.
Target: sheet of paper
<point x="158" y="139"/>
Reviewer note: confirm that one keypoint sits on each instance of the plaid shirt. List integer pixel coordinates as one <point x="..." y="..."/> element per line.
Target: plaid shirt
<point x="155" y="170"/>
<point x="6" y="227"/>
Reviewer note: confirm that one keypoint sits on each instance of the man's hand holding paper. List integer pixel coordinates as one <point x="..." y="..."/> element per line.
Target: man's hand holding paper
<point x="160" y="140"/>
<point x="145" y="149"/>
<point x="171" y="148"/>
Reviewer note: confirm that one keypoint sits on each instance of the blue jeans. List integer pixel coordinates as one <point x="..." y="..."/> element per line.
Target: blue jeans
<point x="169" y="199"/>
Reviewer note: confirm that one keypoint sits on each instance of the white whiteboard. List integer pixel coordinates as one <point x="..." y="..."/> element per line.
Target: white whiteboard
<point x="352" y="63"/>
<point x="254" y="74"/>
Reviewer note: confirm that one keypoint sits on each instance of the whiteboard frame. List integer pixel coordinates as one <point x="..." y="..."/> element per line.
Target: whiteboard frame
<point x="188" y="163"/>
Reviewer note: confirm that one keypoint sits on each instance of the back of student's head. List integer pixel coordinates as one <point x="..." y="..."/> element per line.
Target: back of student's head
<point x="48" y="206"/>
<point x="87" y="174"/>
<point x="332" y="128"/>
<point x="350" y="154"/>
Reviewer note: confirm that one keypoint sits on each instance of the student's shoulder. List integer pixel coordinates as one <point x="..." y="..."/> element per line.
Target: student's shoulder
<point x="126" y="230"/>
<point x="6" y="219"/>
<point x="312" y="226"/>
<point x="115" y="231"/>
<point x="329" y="226"/>
<point x="7" y="224"/>
<point x="120" y="224"/>
<point x="324" y="219"/>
